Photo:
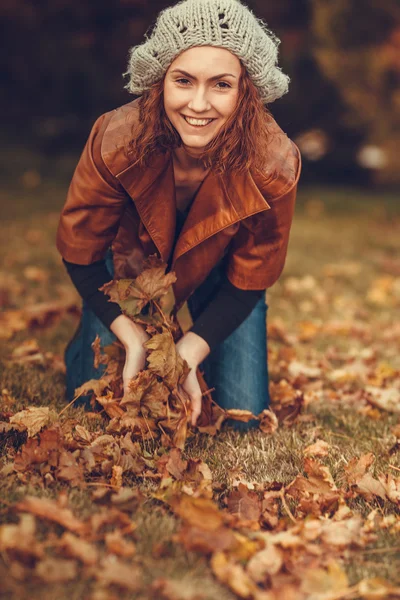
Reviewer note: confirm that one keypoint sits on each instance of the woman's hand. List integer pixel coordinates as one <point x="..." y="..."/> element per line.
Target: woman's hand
<point x="133" y="336"/>
<point x="135" y="360"/>
<point x="194" y="350"/>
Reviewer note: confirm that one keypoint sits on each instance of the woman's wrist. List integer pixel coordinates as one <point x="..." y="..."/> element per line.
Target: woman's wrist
<point x="193" y="348"/>
<point x="130" y="334"/>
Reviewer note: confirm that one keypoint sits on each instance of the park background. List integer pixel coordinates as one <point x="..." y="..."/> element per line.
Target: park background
<point x="333" y="317"/>
<point x="62" y="65"/>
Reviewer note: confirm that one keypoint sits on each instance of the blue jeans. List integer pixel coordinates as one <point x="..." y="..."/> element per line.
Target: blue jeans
<point x="237" y="368"/>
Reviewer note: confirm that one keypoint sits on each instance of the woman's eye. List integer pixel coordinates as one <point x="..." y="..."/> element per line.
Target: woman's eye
<point x="223" y="82"/>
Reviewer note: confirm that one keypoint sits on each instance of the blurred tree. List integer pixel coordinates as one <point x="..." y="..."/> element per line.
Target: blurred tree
<point x="357" y="46"/>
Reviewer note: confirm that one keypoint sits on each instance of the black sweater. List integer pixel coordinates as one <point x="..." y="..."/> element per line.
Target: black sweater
<point x="223" y="314"/>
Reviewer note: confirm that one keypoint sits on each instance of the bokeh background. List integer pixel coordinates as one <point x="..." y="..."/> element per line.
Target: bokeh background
<point x="62" y="65"/>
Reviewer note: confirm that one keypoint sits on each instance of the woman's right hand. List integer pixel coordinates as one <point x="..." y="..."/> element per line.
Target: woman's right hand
<point x="135" y="360"/>
<point x="132" y="336"/>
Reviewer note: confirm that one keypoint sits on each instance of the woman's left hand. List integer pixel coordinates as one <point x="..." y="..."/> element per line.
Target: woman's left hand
<point x="194" y="350"/>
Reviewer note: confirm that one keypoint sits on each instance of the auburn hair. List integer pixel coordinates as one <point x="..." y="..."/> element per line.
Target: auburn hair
<point x="240" y="144"/>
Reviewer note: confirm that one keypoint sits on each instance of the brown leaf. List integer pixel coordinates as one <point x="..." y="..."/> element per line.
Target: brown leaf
<point x="75" y="547"/>
<point x="342" y="533"/>
<point x="268" y="561"/>
<point x="268" y="421"/>
<point x="369" y="487"/>
<point x="34" y="418"/>
<point x="134" y="294"/>
<point x="116" y="479"/>
<point x="319" y="448"/>
<point x="53" y="570"/>
<point x="244" y="503"/>
<point x="45" y="449"/>
<point x="319" y="481"/>
<point x="147" y="395"/>
<point x="69" y="470"/>
<point x="82" y="435"/>
<point x="174" y="464"/>
<point x="386" y="399"/>
<point x="20" y="540"/>
<point x="50" y="510"/>
<point x="234" y="576"/>
<point x="286" y="401"/>
<point x="244" y="416"/>
<point x="377" y="588"/>
<point x="357" y="467"/>
<point x="116" y="544"/>
<point x="164" y="359"/>
<point x="320" y="583"/>
<point x="113" y="571"/>
<point x="197" y="539"/>
<point x="172" y="589"/>
<point x="97" y="386"/>
<point x="199" y="512"/>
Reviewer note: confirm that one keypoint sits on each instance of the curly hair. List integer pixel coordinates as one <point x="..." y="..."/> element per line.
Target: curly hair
<point x="240" y="144"/>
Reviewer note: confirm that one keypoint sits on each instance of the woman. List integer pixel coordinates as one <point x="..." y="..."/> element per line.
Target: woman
<point x="197" y="171"/>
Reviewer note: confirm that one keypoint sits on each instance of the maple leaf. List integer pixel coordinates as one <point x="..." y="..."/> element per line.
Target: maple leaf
<point x="164" y="359"/>
<point x="244" y="503"/>
<point x="45" y="449"/>
<point x="146" y="394"/>
<point x="34" y="418"/>
<point x="134" y="294"/>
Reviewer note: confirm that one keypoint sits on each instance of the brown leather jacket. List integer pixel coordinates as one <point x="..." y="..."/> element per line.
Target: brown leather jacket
<point x="112" y="203"/>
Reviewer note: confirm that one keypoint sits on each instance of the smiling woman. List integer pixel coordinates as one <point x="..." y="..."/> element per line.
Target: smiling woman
<point x="196" y="170"/>
<point x="238" y="137"/>
<point x="199" y="108"/>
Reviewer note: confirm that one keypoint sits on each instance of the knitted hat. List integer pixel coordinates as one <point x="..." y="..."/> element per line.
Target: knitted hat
<point x="223" y="23"/>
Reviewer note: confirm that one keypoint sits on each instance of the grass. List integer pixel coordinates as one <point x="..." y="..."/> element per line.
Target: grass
<point x="343" y="242"/>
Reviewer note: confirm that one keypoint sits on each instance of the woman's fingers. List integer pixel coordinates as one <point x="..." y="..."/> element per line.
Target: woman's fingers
<point x="192" y="388"/>
<point x="135" y="361"/>
<point x="196" y="409"/>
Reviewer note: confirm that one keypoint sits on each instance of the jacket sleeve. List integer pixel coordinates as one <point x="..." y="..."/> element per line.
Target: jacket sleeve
<point x="95" y="202"/>
<point x="258" y="251"/>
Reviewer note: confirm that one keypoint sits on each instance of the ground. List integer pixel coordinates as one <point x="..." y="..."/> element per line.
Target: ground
<point x="334" y="333"/>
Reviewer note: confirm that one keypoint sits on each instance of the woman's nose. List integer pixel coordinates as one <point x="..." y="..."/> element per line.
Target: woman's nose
<point x="199" y="102"/>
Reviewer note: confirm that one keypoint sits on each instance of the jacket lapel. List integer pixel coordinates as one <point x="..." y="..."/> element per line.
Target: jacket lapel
<point x="220" y="201"/>
<point x="153" y="192"/>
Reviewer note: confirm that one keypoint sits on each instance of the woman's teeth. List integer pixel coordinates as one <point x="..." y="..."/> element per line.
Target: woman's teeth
<point x="198" y="122"/>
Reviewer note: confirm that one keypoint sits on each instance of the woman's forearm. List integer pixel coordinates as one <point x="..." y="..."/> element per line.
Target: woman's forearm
<point x="129" y="333"/>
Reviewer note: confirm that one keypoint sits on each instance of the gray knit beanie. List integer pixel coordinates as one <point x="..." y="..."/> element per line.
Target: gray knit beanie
<point x="224" y="23"/>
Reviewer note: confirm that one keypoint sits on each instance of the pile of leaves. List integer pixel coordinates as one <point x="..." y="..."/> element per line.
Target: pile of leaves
<point x="156" y="406"/>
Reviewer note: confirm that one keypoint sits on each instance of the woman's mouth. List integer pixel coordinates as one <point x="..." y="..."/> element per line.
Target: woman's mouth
<point x="197" y="123"/>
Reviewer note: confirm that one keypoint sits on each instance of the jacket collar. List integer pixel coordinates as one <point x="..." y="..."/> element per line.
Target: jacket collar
<point x="220" y="201"/>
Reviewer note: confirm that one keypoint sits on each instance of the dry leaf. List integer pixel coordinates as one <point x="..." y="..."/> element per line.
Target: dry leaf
<point x="34" y="418"/>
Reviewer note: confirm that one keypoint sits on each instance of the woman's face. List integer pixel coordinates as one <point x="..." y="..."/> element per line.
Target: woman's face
<point x="203" y="83"/>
